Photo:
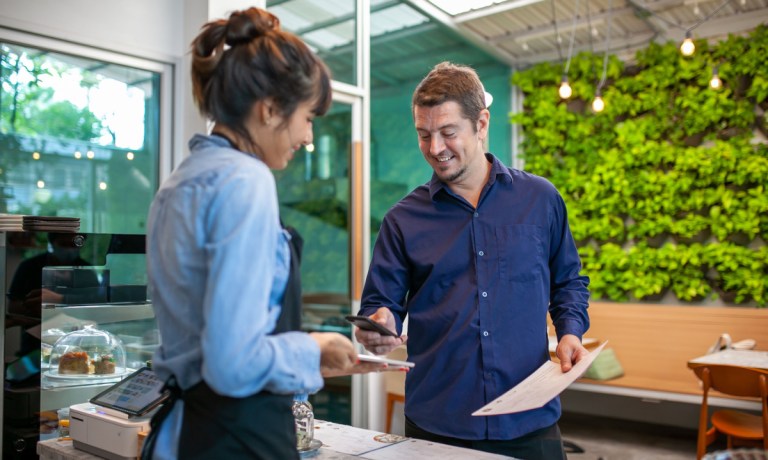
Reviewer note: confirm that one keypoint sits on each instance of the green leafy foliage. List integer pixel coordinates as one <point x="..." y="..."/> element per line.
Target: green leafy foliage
<point x="666" y="188"/>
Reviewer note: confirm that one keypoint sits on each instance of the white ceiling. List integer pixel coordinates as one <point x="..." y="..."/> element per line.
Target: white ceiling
<point x="523" y="32"/>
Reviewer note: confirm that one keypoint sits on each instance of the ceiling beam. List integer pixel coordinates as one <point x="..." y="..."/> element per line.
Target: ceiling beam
<point x="733" y="24"/>
<point x="562" y="26"/>
<point x="632" y="42"/>
<point x="430" y="10"/>
<point x="493" y="9"/>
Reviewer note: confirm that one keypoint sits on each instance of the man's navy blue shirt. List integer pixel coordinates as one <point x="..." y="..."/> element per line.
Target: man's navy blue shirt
<point x="476" y="285"/>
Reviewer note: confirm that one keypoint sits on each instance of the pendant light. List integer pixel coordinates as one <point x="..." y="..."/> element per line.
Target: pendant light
<point x="715" y="83"/>
<point x="565" y="90"/>
<point x="598" y="104"/>
<point x="687" y="47"/>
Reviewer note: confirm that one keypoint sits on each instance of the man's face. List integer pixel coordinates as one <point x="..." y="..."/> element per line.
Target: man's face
<point x="449" y="142"/>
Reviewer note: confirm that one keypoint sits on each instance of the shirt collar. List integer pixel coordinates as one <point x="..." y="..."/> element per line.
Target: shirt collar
<point x="498" y="170"/>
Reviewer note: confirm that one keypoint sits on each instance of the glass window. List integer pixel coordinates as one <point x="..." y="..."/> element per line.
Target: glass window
<point x="327" y="27"/>
<point x="314" y="195"/>
<point x="78" y="137"/>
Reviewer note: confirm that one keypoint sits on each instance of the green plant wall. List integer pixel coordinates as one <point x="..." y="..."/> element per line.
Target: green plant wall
<point x="666" y="188"/>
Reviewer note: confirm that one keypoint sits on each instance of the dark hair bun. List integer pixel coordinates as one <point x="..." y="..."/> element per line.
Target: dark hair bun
<point x="244" y="26"/>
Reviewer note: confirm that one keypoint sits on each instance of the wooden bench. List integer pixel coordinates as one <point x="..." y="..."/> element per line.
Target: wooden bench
<point x="654" y="342"/>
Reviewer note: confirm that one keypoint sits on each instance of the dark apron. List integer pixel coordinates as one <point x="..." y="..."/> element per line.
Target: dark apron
<point x="260" y="426"/>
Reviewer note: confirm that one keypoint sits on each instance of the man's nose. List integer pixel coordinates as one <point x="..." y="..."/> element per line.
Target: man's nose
<point x="436" y="145"/>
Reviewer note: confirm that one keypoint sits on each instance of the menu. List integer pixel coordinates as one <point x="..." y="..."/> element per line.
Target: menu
<point x="538" y="388"/>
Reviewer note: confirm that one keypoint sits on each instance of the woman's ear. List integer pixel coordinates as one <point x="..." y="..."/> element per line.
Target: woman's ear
<point x="265" y="111"/>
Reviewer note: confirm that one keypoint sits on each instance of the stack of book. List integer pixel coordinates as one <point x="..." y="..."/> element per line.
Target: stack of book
<point x="51" y="224"/>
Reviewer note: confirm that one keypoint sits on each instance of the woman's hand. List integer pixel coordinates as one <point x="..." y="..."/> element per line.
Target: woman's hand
<point x="337" y="354"/>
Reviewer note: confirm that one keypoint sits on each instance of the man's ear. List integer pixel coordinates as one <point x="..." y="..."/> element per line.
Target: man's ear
<point x="483" y="122"/>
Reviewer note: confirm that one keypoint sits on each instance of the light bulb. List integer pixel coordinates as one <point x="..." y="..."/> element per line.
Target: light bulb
<point x="687" y="48"/>
<point x="565" y="90"/>
<point x="715" y="82"/>
<point x="598" y="104"/>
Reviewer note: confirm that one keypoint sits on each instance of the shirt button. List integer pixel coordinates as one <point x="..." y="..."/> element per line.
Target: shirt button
<point x="481" y="253"/>
<point x="485" y="333"/>
<point x="484" y="294"/>
<point x="477" y="214"/>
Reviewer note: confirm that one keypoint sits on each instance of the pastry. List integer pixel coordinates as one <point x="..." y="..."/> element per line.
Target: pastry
<point x="73" y="362"/>
<point x="104" y="364"/>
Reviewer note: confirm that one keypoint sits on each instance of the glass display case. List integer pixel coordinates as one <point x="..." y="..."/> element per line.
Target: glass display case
<point x="77" y="319"/>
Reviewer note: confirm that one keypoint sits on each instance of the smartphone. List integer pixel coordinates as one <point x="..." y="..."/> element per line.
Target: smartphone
<point x="364" y="322"/>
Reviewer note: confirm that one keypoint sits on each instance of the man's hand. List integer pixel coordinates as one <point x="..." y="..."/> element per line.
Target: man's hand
<point x="570" y="351"/>
<point x="377" y="343"/>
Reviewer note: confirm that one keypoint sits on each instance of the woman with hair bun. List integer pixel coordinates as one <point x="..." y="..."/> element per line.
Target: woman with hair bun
<point x="219" y="262"/>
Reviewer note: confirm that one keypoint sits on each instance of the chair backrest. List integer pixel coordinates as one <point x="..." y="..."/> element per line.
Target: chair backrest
<point x="734" y="380"/>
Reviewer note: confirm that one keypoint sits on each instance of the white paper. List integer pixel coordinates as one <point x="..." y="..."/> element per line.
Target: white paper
<point x="538" y="388"/>
<point x="351" y="440"/>
<point x="381" y="359"/>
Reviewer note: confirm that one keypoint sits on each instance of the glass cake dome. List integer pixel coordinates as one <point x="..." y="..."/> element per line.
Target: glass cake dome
<point x="87" y="353"/>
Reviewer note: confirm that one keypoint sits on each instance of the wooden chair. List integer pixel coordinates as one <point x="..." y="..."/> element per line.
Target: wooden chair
<point x="742" y="427"/>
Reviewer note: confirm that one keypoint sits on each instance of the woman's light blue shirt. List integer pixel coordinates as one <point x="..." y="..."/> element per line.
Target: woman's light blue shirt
<point x="218" y="262"/>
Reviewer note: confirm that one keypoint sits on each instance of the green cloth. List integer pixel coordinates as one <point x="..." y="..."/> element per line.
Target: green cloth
<point x="605" y="366"/>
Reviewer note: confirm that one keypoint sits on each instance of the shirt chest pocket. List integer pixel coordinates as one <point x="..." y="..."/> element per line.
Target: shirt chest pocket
<point x="521" y="252"/>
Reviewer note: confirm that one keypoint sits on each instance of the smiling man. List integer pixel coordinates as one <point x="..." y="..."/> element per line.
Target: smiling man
<point x="476" y="258"/>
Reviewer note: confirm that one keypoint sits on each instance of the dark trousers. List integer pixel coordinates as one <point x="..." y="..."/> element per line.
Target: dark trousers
<point x="218" y="427"/>
<point x="543" y="444"/>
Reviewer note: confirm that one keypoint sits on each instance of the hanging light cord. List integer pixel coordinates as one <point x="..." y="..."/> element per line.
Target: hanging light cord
<point x="706" y="18"/>
<point x="557" y="34"/>
<point x="591" y="45"/>
<point x="605" y="50"/>
<point x="573" y="34"/>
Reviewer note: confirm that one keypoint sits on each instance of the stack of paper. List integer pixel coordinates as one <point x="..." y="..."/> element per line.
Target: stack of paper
<point x="11" y="223"/>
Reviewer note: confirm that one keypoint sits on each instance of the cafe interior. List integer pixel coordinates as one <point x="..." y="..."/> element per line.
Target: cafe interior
<point x="649" y="117"/>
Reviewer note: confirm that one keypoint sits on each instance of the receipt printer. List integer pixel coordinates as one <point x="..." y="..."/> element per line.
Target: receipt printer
<point x="105" y="432"/>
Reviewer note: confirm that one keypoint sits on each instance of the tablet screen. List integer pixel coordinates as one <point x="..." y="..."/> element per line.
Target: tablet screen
<point x="136" y="394"/>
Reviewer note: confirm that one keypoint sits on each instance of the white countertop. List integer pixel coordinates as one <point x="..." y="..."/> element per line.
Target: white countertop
<point x="339" y="442"/>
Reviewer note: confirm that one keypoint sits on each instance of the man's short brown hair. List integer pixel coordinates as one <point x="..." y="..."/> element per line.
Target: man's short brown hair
<point x="451" y="82"/>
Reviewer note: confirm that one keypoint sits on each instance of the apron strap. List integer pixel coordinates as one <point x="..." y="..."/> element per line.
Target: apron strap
<point x="176" y="393"/>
